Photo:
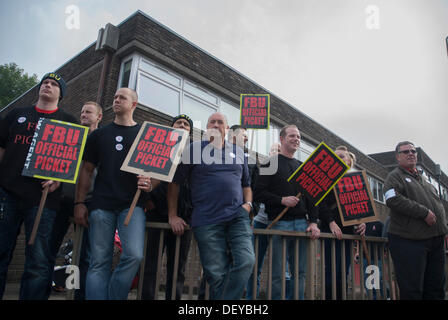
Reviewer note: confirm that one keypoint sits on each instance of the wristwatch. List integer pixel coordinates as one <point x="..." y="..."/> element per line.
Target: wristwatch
<point x="250" y="205"/>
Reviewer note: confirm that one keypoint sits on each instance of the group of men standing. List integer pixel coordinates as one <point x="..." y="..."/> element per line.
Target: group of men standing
<point x="220" y="205"/>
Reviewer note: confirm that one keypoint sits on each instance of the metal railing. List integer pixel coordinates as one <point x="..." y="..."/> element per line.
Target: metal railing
<point x="352" y="284"/>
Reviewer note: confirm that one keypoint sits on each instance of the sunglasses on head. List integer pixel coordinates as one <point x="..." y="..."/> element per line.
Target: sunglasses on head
<point x="413" y="151"/>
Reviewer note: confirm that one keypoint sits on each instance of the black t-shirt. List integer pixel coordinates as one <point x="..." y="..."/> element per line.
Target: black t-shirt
<point x="107" y="149"/>
<point x="16" y="133"/>
<point x="270" y="189"/>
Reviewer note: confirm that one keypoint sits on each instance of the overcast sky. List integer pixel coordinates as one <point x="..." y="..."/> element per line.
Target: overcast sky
<point x="374" y="72"/>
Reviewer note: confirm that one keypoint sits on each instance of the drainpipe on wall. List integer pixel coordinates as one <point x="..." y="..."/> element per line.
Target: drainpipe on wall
<point x="107" y="42"/>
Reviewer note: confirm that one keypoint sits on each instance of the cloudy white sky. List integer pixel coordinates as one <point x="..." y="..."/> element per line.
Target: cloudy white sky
<point x="375" y="72"/>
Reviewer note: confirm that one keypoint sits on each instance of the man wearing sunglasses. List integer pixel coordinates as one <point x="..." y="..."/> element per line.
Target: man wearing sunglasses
<point x="417" y="229"/>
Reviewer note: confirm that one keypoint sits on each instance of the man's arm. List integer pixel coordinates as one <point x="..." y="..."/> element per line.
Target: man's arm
<point x="313" y="214"/>
<point x="247" y="196"/>
<point x="177" y="223"/>
<point x="155" y="183"/>
<point x="397" y="201"/>
<point x="82" y="188"/>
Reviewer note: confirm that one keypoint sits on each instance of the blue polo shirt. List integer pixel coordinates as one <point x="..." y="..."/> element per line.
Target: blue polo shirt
<point x="217" y="178"/>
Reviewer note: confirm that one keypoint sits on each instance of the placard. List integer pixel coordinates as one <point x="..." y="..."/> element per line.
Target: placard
<point x="156" y="151"/>
<point x="254" y="111"/>
<point x="319" y="173"/>
<point x="55" y="151"/>
<point x="354" y="198"/>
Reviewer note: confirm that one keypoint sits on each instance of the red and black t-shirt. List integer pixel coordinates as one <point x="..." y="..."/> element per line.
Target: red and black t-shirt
<point x="16" y="134"/>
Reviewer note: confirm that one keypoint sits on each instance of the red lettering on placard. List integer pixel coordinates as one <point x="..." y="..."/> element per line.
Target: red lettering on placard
<point x="59" y="134"/>
<point x="150" y="132"/>
<point x="48" y="130"/>
<point x="160" y="136"/>
<point x="72" y="137"/>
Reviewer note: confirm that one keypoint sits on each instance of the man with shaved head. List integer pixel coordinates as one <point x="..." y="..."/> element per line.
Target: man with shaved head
<point x="113" y="192"/>
<point x="221" y="198"/>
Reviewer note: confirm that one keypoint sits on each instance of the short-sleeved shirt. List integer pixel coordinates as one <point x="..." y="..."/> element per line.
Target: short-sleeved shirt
<point x="217" y="178"/>
<point x="16" y="133"/>
<point x="107" y="149"/>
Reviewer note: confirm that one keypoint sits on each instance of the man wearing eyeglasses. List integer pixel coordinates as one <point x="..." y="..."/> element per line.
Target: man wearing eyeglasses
<point x="417" y="229"/>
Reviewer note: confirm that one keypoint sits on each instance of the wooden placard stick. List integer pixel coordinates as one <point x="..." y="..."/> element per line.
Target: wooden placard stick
<point x="38" y="215"/>
<point x="282" y="213"/>
<point x="364" y="248"/>
<point x="133" y="204"/>
<point x="252" y="140"/>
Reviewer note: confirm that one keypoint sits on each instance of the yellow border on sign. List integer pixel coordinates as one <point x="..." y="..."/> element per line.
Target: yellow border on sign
<point x="332" y="186"/>
<point x="257" y="95"/>
<point x="81" y="152"/>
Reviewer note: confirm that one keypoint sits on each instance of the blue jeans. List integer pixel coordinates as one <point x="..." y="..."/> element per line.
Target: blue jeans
<point x="263" y="242"/>
<point x="101" y="283"/>
<point x="227" y="255"/>
<point x="277" y="243"/>
<point x="36" y="277"/>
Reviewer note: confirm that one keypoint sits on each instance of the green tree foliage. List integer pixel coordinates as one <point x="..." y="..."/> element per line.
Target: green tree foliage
<point x="14" y="82"/>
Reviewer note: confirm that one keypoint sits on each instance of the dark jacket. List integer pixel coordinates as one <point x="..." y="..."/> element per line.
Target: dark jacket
<point x="160" y="211"/>
<point x="329" y="212"/>
<point x="271" y="188"/>
<point x="410" y="198"/>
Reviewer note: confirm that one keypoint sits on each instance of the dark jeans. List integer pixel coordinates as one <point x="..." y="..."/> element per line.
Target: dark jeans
<point x="152" y="250"/>
<point x="36" y="277"/>
<point x="419" y="267"/>
<point x="60" y="228"/>
<point x="84" y="258"/>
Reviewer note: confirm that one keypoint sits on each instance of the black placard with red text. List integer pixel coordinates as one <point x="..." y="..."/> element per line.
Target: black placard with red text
<point x="55" y="151"/>
<point x="254" y="111"/>
<point x="156" y="151"/>
<point x="319" y="173"/>
<point x="354" y="198"/>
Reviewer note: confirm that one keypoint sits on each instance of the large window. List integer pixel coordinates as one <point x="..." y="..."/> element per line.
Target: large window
<point x="444" y="194"/>
<point x="262" y="140"/>
<point x="158" y="95"/>
<point x="161" y="89"/>
<point x="127" y="66"/>
<point x="377" y="189"/>
<point x="306" y="149"/>
<point x="198" y="111"/>
<point x="434" y="181"/>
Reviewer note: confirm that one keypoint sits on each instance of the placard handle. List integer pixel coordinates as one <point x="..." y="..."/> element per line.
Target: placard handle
<point x="38" y="215"/>
<point x="282" y="213"/>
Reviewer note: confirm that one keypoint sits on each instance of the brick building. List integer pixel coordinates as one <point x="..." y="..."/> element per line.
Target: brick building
<point x="172" y="76"/>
